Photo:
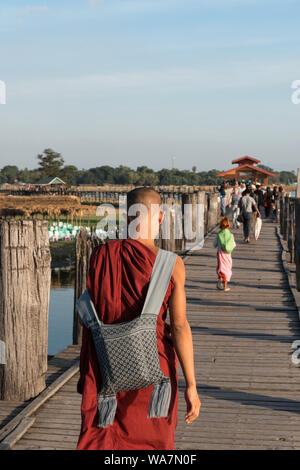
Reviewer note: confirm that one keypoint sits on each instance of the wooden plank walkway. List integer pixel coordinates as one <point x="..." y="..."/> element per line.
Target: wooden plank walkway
<point x="249" y="388"/>
<point x="57" y="366"/>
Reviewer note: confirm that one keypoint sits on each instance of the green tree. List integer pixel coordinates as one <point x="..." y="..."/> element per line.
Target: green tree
<point x="287" y="177"/>
<point x="69" y="174"/>
<point x="9" y="174"/>
<point x="146" y="176"/>
<point x="50" y="163"/>
<point x="266" y="168"/>
<point x="87" y="177"/>
<point x="24" y="175"/>
<point x="124" y="175"/>
<point x="165" y="177"/>
<point x="107" y="173"/>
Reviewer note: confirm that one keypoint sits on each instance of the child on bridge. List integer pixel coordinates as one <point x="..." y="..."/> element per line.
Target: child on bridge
<point x="225" y="243"/>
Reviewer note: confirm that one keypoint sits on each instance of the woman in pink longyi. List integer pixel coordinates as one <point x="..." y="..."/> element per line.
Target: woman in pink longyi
<point x="224" y="268"/>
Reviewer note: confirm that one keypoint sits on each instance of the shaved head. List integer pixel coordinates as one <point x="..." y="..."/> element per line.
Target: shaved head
<point x="143" y="213"/>
<point x="143" y="195"/>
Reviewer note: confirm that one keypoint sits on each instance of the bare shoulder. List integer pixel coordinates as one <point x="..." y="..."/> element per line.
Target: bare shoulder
<point x="179" y="271"/>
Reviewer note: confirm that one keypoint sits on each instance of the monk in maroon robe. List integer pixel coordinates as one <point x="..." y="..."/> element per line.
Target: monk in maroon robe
<point x="118" y="279"/>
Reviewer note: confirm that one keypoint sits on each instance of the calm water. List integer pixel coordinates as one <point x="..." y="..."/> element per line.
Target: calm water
<point x="60" y="330"/>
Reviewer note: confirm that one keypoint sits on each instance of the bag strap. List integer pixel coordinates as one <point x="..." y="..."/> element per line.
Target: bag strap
<point x="159" y="281"/>
<point x="86" y="310"/>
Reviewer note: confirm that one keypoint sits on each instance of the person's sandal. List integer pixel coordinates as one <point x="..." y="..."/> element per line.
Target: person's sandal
<point x="227" y="289"/>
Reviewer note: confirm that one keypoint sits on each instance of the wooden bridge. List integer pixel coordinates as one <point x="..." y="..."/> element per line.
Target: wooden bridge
<point x="248" y="385"/>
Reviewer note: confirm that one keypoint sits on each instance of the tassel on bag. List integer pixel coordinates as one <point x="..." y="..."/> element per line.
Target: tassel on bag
<point x="107" y="407"/>
<point x="160" y="400"/>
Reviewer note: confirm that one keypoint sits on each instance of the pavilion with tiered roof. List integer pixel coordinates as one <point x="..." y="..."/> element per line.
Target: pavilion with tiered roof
<point x="246" y="169"/>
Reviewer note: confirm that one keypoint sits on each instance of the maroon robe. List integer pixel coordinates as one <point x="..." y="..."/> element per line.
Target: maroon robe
<point x="118" y="281"/>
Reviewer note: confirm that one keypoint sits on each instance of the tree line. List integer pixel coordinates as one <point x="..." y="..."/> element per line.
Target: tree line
<point x="51" y="164"/>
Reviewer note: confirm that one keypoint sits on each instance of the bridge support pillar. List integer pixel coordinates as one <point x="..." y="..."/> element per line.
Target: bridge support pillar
<point x="25" y="277"/>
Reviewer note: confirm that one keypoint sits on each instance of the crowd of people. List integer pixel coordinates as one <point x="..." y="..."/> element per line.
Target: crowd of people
<point x="264" y="197"/>
<point x="249" y="204"/>
<point x="247" y="201"/>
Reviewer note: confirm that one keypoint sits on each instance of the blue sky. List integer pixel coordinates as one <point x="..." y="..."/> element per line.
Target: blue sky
<point x="135" y="82"/>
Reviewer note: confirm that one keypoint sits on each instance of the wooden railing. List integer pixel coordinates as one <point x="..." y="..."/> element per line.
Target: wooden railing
<point x="97" y="194"/>
<point x="288" y="216"/>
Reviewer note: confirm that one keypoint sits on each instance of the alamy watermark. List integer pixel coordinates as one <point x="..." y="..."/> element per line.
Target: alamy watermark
<point x="2" y="92"/>
<point x="167" y="221"/>
<point x="295" y="97"/>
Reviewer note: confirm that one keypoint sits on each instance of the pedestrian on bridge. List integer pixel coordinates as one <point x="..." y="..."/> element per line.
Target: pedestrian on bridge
<point x="225" y="243"/>
<point x="234" y="203"/>
<point x="119" y="277"/>
<point x="259" y="199"/>
<point x="268" y="201"/>
<point x="248" y="206"/>
<point x="223" y="199"/>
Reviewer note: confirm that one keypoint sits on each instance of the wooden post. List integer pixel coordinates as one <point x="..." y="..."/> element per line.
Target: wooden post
<point x="81" y="273"/>
<point x="25" y="277"/>
<point x="281" y="210"/>
<point x="179" y="242"/>
<point x="277" y="211"/>
<point x="206" y="214"/>
<point x="158" y="241"/>
<point x="291" y="230"/>
<point x="83" y="249"/>
<point x="298" y="184"/>
<point x="201" y="203"/>
<point x="169" y="242"/>
<point x="288" y="220"/>
<point x="189" y="201"/>
<point x="176" y="221"/>
<point x="213" y="211"/>
<point x="162" y="240"/>
<point x="297" y="242"/>
<point x="285" y="216"/>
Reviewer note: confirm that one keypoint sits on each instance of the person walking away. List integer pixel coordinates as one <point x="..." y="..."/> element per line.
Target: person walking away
<point x="240" y="188"/>
<point x="223" y="199"/>
<point x="248" y="186"/>
<point x="225" y="243"/>
<point x="268" y="201"/>
<point x="275" y="197"/>
<point x="252" y="194"/>
<point x="118" y="280"/>
<point x="247" y="207"/>
<point x="235" y="198"/>
<point x="243" y="188"/>
<point x="259" y="199"/>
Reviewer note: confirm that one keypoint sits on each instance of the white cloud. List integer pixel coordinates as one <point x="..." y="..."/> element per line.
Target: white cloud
<point x="230" y="76"/>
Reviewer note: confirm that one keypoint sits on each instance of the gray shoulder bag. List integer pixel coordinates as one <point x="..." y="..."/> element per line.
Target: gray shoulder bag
<point x="127" y="352"/>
